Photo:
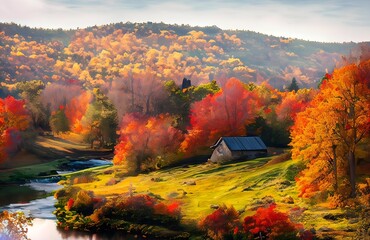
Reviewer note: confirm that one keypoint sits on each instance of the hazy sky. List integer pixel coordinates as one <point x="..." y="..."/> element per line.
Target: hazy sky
<point x="319" y="20"/>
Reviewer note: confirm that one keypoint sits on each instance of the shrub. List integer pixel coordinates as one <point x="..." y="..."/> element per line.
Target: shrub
<point x="85" y="211"/>
<point x="270" y="224"/>
<point x="364" y="193"/>
<point x="70" y="204"/>
<point x="266" y="223"/>
<point x="221" y="223"/>
<point x="137" y="208"/>
<point x="84" y="203"/>
<point x="168" y="214"/>
<point x="141" y="209"/>
<point x="84" y="178"/>
<point x="172" y="209"/>
<point x="363" y="231"/>
<point x="64" y="194"/>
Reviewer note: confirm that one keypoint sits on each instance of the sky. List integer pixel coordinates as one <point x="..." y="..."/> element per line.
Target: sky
<point x="316" y="20"/>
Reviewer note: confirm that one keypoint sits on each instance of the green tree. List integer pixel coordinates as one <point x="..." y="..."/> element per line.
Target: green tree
<point x="59" y="121"/>
<point x="294" y="85"/>
<point x="101" y="116"/>
<point x="273" y="133"/>
<point x="31" y="91"/>
<point x="201" y="91"/>
<point x="176" y="103"/>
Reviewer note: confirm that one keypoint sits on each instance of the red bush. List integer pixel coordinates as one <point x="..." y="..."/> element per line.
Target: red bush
<point x="139" y="202"/>
<point x="224" y="221"/>
<point x="266" y="223"/>
<point x="270" y="223"/>
<point x="70" y="204"/>
<point x="172" y="209"/>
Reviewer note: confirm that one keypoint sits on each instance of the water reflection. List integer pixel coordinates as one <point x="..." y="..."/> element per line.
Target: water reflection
<point x="39" y="208"/>
<point x="14" y="193"/>
<point x="45" y="229"/>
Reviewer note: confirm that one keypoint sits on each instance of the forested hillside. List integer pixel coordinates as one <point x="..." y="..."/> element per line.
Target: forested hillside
<point x="107" y="54"/>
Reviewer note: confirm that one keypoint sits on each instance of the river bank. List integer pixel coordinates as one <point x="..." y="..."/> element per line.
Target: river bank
<point x="36" y="199"/>
<point x="44" y="156"/>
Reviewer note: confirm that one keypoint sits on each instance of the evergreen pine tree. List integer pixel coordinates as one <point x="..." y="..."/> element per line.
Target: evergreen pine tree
<point x="293" y="86"/>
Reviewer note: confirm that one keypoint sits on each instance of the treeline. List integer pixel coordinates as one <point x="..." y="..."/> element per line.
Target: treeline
<point x="111" y="52"/>
<point x="161" y="122"/>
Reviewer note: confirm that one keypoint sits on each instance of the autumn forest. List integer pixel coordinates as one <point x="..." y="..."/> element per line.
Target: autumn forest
<point x="152" y="98"/>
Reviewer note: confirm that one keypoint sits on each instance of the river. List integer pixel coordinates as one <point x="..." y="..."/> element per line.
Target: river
<point x="35" y="199"/>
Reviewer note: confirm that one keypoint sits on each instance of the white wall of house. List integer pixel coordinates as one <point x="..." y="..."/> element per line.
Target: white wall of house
<point x="223" y="154"/>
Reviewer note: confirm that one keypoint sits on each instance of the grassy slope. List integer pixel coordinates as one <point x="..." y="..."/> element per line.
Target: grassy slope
<point x="25" y="173"/>
<point x="239" y="184"/>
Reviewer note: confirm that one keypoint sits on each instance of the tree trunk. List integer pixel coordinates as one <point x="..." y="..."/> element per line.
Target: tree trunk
<point x="138" y="165"/>
<point x="352" y="172"/>
<point x="335" y="169"/>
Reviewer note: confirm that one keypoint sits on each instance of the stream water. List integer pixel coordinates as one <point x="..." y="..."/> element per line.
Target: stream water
<point x="34" y="200"/>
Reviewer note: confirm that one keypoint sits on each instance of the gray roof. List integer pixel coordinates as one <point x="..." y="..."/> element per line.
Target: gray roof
<point x="242" y="143"/>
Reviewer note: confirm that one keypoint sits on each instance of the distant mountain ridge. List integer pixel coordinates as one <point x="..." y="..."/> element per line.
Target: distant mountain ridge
<point x="106" y="53"/>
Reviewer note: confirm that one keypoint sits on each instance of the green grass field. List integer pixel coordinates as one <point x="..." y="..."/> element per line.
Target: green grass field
<point x="25" y="173"/>
<point x="245" y="185"/>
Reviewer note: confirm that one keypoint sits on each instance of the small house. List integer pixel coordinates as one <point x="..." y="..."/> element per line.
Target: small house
<point x="235" y="148"/>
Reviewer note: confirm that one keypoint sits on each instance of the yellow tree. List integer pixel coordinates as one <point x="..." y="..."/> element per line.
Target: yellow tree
<point x="352" y="97"/>
<point x="314" y="142"/>
<point x="328" y="133"/>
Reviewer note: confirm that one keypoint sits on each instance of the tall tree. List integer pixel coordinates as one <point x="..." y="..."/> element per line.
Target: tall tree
<point x="327" y="134"/>
<point x="75" y="111"/>
<point x="31" y="91"/>
<point x="145" y="141"/>
<point x="59" y="121"/>
<point x="101" y="120"/>
<point x="293" y="86"/>
<point x="13" y="118"/>
<point x="224" y="113"/>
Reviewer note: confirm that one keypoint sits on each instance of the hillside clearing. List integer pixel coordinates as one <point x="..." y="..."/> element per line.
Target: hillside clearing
<point x="245" y="185"/>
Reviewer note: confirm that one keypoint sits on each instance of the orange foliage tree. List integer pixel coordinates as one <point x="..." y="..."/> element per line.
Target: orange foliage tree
<point x="293" y="103"/>
<point x="13" y="118"/>
<point x="328" y="133"/>
<point x="224" y="113"/>
<point x="146" y="142"/>
<point x="75" y="111"/>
